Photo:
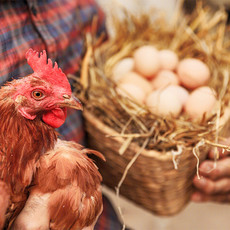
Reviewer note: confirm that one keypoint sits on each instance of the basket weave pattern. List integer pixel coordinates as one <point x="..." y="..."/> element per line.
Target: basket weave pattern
<point x="152" y="182"/>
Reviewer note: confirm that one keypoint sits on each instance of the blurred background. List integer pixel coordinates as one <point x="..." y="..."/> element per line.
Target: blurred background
<point x="196" y="216"/>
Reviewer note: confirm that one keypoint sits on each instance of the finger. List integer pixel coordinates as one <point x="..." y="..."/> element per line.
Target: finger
<point x="210" y="187"/>
<point x="215" y="170"/>
<point x="201" y="197"/>
<point x="220" y="151"/>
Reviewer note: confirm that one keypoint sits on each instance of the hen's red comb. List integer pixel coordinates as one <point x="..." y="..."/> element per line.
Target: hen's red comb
<point x="47" y="71"/>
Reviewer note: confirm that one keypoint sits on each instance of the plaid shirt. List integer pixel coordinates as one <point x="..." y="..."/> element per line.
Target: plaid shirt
<point x="57" y="26"/>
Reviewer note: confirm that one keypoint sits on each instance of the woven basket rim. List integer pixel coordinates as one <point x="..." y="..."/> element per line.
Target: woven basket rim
<point x="164" y="156"/>
<point x="133" y="146"/>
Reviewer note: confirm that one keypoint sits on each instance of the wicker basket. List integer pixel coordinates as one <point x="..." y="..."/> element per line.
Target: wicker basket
<point x="152" y="182"/>
<point x="160" y="180"/>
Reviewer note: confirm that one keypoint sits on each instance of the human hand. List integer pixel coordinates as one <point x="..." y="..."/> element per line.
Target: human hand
<point x="214" y="182"/>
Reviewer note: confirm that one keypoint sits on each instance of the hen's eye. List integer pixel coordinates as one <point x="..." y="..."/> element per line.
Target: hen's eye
<point x="38" y="95"/>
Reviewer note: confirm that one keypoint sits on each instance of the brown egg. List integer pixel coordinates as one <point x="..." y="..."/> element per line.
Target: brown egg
<point x="132" y="91"/>
<point x="164" y="103"/>
<point x="146" y="61"/>
<point x="201" y="100"/>
<point x="137" y="79"/>
<point x="168" y="59"/>
<point x="193" y="73"/>
<point x="164" y="78"/>
<point x="181" y="93"/>
<point x="122" y="67"/>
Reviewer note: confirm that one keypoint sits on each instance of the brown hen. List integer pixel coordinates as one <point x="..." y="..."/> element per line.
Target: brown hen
<point x="45" y="182"/>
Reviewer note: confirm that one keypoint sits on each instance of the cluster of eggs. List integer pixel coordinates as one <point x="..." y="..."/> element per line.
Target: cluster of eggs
<point x="167" y="85"/>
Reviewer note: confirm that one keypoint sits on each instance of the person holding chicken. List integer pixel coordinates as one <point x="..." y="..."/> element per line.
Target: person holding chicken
<point x="37" y="99"/>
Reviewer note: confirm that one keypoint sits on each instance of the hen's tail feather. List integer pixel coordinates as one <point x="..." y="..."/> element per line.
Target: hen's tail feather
<point x="96" y="153"/>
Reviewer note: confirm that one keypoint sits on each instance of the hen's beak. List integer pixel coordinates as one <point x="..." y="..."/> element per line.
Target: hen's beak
<point x="71" y="102"/>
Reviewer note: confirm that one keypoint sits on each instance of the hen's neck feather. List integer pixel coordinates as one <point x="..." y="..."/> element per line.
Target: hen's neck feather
<point x="22" y="141"/>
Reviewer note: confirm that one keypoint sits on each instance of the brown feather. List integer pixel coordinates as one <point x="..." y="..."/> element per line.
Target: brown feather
<point x="96" y="153"/>
<point x="64" y="164"/>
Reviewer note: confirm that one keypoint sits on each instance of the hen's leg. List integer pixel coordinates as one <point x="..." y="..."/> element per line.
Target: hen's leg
<point x="4" y="202"/>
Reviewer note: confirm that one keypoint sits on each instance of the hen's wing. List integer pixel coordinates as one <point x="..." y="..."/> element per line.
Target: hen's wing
<point x="70" y="181"/>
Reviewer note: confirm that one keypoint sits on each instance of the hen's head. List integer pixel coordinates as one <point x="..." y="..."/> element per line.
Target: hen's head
<point x="46" y="92"/>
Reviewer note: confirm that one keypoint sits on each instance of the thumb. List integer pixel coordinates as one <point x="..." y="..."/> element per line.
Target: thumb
<point x="215" y="171"/>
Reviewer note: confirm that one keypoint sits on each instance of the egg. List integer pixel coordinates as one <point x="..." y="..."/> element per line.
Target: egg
<point x="131" y="91"/>
<point x="168" y="59"/>
<point x="201" y="100"/>
<point x="137" y="79"/>
<point x="146" y="60"/>
<point x="122" y="67"/>
<point x="193" y="73"/>
<point x="164" y="78"/>
<point x="164" y="103"/>
<point x="181" y="93"/>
